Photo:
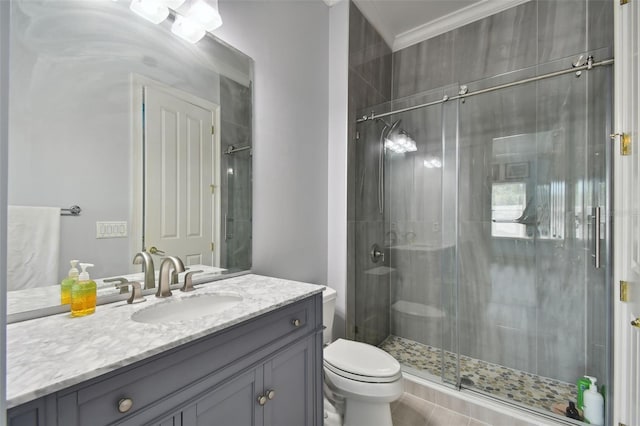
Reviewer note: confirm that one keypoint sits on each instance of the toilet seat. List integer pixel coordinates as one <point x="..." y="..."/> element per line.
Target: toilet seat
<point x="361" y="362"/>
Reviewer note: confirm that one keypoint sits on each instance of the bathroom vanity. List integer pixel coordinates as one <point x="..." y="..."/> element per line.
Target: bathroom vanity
<point x="257" y="363"/>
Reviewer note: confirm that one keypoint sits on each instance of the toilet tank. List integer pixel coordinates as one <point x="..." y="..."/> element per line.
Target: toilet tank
<point x="328" y="310"/>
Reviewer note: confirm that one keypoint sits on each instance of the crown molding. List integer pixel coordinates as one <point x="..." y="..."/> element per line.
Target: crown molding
<point x="452" y="21"/>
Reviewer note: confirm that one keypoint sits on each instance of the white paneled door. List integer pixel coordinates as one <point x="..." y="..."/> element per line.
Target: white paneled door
<point x="627" y="214"/>
<point x="179" y="176"/>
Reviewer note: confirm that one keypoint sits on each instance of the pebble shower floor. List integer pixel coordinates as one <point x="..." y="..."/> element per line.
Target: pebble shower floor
<point x="507" y="383"/>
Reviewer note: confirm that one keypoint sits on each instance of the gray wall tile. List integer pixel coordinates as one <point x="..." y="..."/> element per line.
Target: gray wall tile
<point x="497" y="44"/>
<point x="561" y="29"/>
<point x="369" y="84"/>
<point x="423" y="66"/>
<point x="599" y="24"/>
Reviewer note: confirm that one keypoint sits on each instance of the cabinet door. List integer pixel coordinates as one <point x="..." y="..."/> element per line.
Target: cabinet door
<point x="40" y="412"/>
<point x="234" y="403"/>
<point x="175" y="420"/>
<point x="27" y="418"/>
<point x="291" y="377"/>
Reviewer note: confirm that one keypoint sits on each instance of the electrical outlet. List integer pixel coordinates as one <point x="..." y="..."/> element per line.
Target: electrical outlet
<point x="111" y="230"/>
<point x="435" y="227"/>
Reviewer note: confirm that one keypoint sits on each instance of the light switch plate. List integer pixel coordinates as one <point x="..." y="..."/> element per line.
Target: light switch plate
<point x="111" y="230"/>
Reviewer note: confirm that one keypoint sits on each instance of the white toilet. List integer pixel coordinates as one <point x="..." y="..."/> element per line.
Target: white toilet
<point x="360" y="380"/>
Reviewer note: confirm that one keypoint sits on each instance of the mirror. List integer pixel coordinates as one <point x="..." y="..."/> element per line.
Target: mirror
<point x="148" y="134"/>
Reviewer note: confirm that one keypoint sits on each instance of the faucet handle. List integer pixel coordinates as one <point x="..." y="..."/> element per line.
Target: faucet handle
<point x="136" y="292"/>
<point x="188" y="281"/>
<point x="122" y="284"/>
<point x="174" y="276"/>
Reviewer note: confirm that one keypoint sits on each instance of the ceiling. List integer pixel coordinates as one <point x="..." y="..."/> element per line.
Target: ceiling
<point x="405" y="22"/>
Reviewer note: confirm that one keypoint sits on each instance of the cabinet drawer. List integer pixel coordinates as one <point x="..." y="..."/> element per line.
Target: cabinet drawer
<point x="150" y="383"/>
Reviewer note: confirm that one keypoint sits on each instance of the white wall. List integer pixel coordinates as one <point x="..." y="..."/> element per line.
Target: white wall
<point x="337" y="166"/>
<point x="289" y="42"/>
<point x="4" y="145"/>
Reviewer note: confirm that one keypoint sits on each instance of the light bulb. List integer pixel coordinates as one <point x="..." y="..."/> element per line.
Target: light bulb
<point x="205" y="14"/>
<point x="187" y="29"/>
<point x="150" y="10"/>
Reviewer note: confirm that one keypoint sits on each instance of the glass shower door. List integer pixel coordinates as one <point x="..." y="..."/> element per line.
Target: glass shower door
<point x="418" y="264"/>
<point x="531" y="301"/>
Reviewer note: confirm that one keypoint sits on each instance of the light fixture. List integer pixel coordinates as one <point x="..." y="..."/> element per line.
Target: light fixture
<point x="432" y="163"/>
<point x="400" y="143"/>
<point x="151" y="10"/>
<point x="205" y="13"/>
<point x="187" y="29"/>
<point x="172" y="4"/>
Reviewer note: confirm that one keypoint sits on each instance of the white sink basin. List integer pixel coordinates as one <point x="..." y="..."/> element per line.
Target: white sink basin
<point x="188" y="308"/>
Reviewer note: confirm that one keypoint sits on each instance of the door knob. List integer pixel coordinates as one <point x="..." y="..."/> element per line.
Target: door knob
<point x="154" y="250"/>
<point x="296" y="322"/>
<point x="271" y="394"/>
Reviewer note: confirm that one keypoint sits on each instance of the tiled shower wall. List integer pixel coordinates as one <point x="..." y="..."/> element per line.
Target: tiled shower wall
<point x="369" y="84"/>
<point x="235" y="120"/>
<point x="522" y="305"/>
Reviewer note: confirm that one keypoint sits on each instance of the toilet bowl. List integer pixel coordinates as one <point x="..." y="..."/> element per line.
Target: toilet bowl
<point x="360" y="380"/>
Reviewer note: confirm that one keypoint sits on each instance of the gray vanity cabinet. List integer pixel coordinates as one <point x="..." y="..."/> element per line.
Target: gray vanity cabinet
<point x="266" y="371"/>
<point x="273" y="394"/>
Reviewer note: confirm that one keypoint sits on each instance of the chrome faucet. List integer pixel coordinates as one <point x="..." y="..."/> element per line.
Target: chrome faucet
<point x="145" y="259"/>
<point x="164" y="282"/>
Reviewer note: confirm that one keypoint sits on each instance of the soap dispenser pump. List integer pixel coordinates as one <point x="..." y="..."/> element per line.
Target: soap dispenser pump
<point x="593" y="404"/>
<point x="83" y="293"/>
<point x="65" y="285"/>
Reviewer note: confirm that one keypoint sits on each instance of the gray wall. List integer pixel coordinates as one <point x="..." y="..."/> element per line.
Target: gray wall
<point x="289" y="42"/>
<point x="520" y="305"/>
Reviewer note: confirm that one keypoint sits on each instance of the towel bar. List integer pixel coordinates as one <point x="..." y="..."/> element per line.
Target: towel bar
<point x="71" y="211"/>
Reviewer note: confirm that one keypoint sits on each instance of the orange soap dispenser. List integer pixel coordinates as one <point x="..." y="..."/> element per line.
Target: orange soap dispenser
<point x="83" y="293"/>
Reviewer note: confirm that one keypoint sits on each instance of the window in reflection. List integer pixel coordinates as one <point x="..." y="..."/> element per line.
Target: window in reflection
<point x="508" y="202"/>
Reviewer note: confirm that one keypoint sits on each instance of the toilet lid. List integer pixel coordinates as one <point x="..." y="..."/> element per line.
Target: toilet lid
<point x="359" y="361"/>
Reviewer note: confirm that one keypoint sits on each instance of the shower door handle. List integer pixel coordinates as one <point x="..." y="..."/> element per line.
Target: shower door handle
<point x="596" y="237"/>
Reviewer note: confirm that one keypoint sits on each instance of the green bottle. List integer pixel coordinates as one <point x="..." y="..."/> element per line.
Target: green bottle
<point x="583" y="385"/>
<point x="65" y="285"/>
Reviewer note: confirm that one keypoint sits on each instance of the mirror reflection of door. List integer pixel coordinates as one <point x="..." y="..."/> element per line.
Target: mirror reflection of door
<point x="180" y="205"/>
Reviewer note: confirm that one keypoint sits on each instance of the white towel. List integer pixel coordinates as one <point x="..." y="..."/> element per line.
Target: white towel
<point x="33" y="246"/>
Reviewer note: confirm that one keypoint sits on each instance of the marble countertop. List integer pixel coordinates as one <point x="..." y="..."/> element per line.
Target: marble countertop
<point x="48" y="354"/>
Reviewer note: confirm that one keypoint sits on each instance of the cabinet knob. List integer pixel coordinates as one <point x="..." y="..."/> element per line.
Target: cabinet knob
<point x="271" y="394"/>
<point x="125" y="405"/>
<point x="296" y="322"/>
<point x="262" y="399"/>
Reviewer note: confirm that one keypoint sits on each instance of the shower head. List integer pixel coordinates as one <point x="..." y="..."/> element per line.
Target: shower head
<point x="395" y="139"/>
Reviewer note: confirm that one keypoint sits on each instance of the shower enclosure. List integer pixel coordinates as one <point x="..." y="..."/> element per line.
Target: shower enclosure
<point x="482" y="250"/>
